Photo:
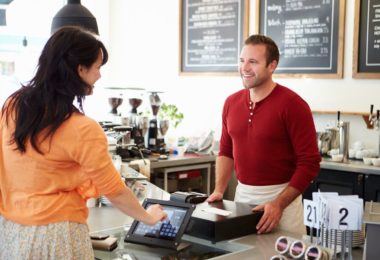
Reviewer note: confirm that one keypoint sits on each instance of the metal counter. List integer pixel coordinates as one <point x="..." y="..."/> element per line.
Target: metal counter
<point x="356" y="166"/>
<point x="187" y="159"/>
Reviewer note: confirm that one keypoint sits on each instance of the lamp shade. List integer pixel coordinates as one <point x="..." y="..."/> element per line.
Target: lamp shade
<point x="73" y="13"/>
<point x="3" y="20"/>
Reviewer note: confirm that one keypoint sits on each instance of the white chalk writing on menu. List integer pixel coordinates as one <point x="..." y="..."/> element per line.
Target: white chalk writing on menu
<point x="373" y="33"/>
<point x="304" y="31"/>
<point x="212" y="33"/>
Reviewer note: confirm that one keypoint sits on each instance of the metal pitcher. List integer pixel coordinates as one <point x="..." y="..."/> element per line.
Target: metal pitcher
<point x="327" y="140"/>
<point x="323" y="139"/>
<point x="333" y="132"/>
<point x="344" y="132"/>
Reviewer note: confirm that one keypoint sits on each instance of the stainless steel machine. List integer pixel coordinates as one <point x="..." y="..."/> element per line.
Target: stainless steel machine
<point x="138" y="123"/>
<point x="157" y="128"/>
<point x="126" y="131"/>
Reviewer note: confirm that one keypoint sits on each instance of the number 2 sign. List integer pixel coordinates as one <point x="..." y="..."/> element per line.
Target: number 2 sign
<point x="344" y="215"/>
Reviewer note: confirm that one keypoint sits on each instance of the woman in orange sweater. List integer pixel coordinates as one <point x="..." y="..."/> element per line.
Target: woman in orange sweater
<point x="53" y="157"/>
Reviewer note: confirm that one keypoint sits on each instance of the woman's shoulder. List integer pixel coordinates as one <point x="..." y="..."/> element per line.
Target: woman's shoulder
<point x="83" y="126"/>
<point x="81" y="119"/>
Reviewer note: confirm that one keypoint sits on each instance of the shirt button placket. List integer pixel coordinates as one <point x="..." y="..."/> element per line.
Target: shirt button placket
<point x="250" y="113"/>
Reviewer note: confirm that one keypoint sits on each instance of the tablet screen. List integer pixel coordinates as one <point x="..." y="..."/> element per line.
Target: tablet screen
<point x="167" y="229"/>
<point x="167" y="233"/>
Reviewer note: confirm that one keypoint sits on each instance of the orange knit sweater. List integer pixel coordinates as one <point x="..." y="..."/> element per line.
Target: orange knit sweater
<point x="40" y="189"/>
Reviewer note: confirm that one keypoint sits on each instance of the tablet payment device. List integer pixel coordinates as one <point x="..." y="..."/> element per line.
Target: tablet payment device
<point x="167" y="233"/>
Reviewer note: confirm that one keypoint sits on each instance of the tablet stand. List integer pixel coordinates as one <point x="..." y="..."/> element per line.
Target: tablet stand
<point x="183" y="245"/>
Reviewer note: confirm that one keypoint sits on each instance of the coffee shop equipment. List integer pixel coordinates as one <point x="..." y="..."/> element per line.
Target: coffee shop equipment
<point x="115" y="98"/>
<point x="344" y="133"/>
<point x="329" y="139"/>
<point x="188" y="197"/>
<point x="375" y="121"/>
<point x="135" y="98"/>
<point x="120" y="142"/>
<point x="335" y="138"/>
<point x="157" y="129"/>
<point x="123" y="140"/>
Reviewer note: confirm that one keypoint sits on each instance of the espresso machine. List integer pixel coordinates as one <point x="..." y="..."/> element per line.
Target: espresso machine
<point x="157" y="128"/>
<point x="125" y="132"/>
<point x="121" y="143"/>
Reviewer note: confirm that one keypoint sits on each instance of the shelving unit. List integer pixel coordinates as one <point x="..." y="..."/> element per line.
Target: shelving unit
<point x="205" y="173"/>
<point x="365" y="116"/>
<point x="175" y="164"/>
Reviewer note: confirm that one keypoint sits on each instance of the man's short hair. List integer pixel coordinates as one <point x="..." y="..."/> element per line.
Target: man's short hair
<point x="271" y="47"/>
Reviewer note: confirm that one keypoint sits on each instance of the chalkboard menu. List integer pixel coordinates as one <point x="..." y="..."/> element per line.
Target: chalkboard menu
<point x="309" y="35"/>
<point x="367" y="39"/>
<point x="212" y="35"/>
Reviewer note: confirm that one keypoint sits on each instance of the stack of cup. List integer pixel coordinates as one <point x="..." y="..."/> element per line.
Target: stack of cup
<point x="290" y="248"/>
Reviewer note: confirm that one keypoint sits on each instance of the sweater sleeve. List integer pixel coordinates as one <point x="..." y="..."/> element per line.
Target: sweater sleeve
<point x="225" y="147"/>
<point x="301" y="129"/>
<point x="92" y="155"/>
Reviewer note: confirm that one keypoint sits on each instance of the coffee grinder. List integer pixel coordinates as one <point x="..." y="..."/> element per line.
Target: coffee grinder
<point x="122" y="135"/>
<point x="163" y="128"/>
<point x="135" y="100"/>
<point x="115" y="99"/>
<point x="155" y="103"/>
<point x="157" y="129"/>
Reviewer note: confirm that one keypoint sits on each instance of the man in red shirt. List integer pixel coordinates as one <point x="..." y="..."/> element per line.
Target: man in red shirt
<point x="269" y="139"/>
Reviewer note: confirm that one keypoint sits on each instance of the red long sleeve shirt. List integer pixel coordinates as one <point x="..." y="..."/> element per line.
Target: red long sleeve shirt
<point x="273" y="143"/>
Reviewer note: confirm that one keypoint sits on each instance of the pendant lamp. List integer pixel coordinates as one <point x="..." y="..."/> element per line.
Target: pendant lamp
<point x="3" y="11"/>
<point x="73" y="13"/>
<point x="3" y="20"/>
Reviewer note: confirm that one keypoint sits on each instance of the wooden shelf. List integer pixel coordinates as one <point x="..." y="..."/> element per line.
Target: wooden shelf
<point x="341" y="112"/>
<point x="365" y="116"/>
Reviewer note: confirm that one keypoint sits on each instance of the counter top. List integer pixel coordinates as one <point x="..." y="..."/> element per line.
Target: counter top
<point x="253" y="247"/>
<point x="175" y="160"/>
<point x="111" y="221"/>
<point x="356" y="166"/>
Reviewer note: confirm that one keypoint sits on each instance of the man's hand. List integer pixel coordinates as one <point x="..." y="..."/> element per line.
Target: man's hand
<point x="271" y="217"/>
<point x="215" y="196"/>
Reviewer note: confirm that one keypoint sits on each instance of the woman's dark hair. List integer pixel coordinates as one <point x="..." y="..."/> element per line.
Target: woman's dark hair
<point x="272" y="49"/>
<point x="47" y="100"/>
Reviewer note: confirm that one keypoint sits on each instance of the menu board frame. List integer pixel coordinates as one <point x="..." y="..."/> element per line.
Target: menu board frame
<point x="338" y="56"/>
<point x="204" y="70"/>
<point x="359" y="36"/>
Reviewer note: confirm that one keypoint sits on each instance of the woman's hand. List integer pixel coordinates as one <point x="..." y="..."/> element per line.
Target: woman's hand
<point x="128" y="203"/>
<point x="157" y="214"/>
